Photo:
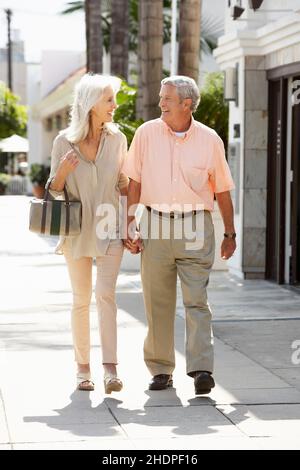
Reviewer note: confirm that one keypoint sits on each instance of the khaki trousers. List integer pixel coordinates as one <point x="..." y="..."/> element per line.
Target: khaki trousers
<point x="80" y="272"/>
<point x="162" y="260"/>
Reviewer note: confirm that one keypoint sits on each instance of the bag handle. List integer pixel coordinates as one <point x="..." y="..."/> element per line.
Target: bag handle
<point x="47" y="189"/>
<point x="44" y="211"/>
<point x="45" y="200"/>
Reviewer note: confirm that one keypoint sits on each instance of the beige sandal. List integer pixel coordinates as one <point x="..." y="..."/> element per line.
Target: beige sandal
<point x="84" y="381"/>
<point x="112" y="383"/>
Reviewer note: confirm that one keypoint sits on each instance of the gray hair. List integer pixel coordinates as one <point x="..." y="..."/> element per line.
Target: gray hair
<point x="87" y="92"/>
<point x="186" y="88"/>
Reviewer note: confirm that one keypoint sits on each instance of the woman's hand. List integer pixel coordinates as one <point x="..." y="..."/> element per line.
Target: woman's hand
<point x="135" y="246"/>
<point x="68" y="163"/>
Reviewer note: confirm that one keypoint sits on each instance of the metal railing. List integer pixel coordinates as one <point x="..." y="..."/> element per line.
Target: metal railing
<point x="17" y="186"/>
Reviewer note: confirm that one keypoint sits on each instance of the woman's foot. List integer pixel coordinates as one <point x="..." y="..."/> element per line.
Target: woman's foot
<point x="84" y="378"/>
<point x="111" y="381"/>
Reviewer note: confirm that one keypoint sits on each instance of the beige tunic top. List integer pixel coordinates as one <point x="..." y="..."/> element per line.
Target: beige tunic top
<point x="94" y="184"/>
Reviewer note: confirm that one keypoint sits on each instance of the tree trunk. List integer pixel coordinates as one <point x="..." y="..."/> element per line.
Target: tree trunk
<point x="94" y="47"/>
<point x="189" y="38"/>
<point x="119" y="39"/>
<point x="150" y="57"/>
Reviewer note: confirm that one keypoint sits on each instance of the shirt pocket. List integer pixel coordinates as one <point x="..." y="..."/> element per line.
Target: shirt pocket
<point x="197" y="179"/>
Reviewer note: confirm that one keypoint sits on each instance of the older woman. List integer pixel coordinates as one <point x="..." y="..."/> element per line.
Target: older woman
<point x="87" y="158"/>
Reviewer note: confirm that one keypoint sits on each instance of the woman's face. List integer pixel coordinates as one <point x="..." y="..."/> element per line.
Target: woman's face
<point x="104" y="108"/>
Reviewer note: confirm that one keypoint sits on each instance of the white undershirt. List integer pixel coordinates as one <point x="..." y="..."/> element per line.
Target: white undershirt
<point x="180" y="134"/>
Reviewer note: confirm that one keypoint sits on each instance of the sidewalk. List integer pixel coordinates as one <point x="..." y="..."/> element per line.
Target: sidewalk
<point x="256" y="401"/>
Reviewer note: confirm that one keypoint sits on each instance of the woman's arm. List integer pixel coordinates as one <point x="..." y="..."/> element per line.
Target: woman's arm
<point x="68" y="164"/>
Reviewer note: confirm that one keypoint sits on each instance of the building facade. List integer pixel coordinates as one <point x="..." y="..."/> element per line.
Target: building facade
<point x="260" y="55"/>
<point x="19" y="67"/>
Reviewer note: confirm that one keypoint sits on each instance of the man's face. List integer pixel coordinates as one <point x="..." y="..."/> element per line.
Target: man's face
<point x="172" y="109"/>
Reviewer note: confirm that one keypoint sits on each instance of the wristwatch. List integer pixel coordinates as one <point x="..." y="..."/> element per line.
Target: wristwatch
<point x="230" y="235"/>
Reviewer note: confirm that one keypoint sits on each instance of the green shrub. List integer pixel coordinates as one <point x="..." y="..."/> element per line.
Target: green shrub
<point x="125" y="115"/>
<point x="13" y="116"/>
<point x="4" y="180"/>
<point x="213" y="110"/>
<point x="39" y="174"/>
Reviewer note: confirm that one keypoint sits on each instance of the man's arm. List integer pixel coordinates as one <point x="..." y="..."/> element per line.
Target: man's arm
<point x="226" y="208"/>
<point x="134" y="194"/>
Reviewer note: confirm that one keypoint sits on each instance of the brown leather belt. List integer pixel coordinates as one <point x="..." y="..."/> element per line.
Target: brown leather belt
<point x="173" y="215"/>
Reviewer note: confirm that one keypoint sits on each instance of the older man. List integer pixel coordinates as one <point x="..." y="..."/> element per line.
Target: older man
<point x="176" y="165"/>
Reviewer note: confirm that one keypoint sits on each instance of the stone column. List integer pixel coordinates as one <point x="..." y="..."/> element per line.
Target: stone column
<point x="255" y="168"/>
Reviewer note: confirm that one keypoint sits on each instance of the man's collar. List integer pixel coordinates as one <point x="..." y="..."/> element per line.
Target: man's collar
<point x="187" y="133"/>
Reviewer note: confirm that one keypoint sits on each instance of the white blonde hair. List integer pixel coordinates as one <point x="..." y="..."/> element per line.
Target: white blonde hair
<point x="87" y="92"/>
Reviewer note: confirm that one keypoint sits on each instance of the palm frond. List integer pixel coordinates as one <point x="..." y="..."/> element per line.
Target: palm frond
<point x="73" y="6"/>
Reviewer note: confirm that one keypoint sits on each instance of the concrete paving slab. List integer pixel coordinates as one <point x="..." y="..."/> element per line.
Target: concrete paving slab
<point x="214" y="442"/>
<point x="99" y="444"/>
<point x="273" y="443"/>
<point x="256" y="396"/>
<point x="49" y="431"/>
<point x="169" y="422"/>
<point x="4" y="436"/>
<point x="277" y="421"/>
<point x="268" y="342"/>
<point x="290" y="375"/>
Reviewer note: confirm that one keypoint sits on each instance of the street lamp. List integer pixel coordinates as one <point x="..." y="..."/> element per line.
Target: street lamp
<point x="9" y="48"/>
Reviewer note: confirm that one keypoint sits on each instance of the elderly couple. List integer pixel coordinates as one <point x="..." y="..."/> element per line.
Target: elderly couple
<point x="173" y="163"/>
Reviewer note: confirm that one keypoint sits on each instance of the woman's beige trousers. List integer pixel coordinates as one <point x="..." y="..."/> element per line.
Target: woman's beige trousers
<point x="80" y="272"/>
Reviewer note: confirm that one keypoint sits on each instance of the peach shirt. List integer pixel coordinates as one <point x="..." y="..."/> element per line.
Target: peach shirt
<point x="176" y="170"/>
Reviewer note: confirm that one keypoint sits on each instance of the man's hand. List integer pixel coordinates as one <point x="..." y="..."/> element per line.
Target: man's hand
<point x="135" y="246"/>
<point x="228" y="248"/>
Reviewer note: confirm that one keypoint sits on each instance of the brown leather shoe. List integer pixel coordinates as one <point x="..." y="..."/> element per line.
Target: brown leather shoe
<point x="160" y="382"/>
<point x="203" y="382"/>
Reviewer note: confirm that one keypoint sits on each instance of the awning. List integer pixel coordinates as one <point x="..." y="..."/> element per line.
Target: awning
<point x="14" y="144"/>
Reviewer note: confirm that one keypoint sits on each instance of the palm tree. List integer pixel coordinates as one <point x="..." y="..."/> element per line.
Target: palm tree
<point x="210" y="29"/>
<point x="150" y="57"/>
<point x="119" y="37"/>
<point x="189" y="38"/>
<point x="106" y="18"/>
<point x="93" y="35"/>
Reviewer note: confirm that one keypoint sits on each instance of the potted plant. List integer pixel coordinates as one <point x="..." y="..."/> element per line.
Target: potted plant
<point x="38" y="176"/>
<point x="4" y="180"/>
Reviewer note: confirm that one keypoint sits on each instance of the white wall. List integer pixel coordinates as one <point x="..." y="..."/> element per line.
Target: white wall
<point x="57" y="66"/>
<point x="34" y="127"/>
<point x="19" y="79"/>
<point x="256" y="19"/>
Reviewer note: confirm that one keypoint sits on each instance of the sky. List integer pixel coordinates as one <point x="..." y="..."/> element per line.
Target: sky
<point x="41" y="27"/>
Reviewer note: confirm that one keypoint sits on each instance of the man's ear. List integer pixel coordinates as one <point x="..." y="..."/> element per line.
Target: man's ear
<point x="187" y="103"/>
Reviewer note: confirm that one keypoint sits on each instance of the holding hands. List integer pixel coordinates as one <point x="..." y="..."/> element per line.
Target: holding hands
<point x="134" y="245"/>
